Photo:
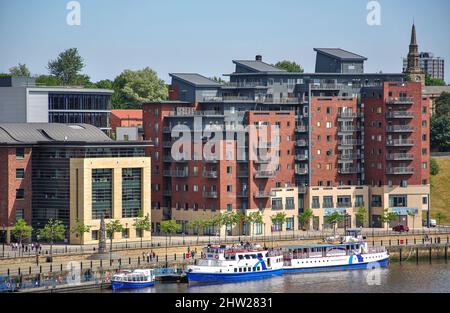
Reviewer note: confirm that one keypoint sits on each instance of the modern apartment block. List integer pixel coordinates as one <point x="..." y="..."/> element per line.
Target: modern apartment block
<point x="71" y="172"/>
<point x="23" y="101"/>
<point x="430" y="64"/>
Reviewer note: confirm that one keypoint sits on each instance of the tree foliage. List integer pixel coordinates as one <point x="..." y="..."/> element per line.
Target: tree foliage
<point x="135" y="87"/>
<point x="434" y="167"/>
<point x="305" y="218"/>
<point x="67" y="67"/>
<point x="80" y="228"/>
<point x="20" y="70"/>
<point x="361" y="215"/>
<point x="442" y="104"/>
<point x="22" y="230"/>
<point x="440" y="132"/>
<point x="289" y="66"/>
<point x="170" y="227"/>
<point x="429" y="81"/>
<point x="53" y="230"/>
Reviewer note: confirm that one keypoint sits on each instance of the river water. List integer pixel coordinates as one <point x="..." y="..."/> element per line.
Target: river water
<point x="406" y="277"/>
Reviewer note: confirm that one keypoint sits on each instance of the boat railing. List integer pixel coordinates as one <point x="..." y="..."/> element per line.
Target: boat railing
<point x="376" y="249"/>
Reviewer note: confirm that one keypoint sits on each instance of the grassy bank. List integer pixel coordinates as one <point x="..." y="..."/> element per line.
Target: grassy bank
<point x="440" y="190"/>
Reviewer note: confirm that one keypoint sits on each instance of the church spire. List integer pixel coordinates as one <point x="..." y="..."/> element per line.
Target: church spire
<point x="413" y="69"/>
<point x="413" y="36"/>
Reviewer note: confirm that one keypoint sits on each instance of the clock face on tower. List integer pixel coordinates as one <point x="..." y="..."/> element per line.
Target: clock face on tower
<point x="418" y="78"/>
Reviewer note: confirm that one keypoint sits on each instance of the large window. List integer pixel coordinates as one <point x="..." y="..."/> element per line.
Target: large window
<point x="131" y="192"/>
<point x="101" y="193"/>
<point x="398" y="201"/>
<point x="290" y="223"/>
<point x="376" y="201"/>
<point x="20" y="153"/>
<point x="315" y="203"/>
<point x="328" y="202"/>
<point x="277" y="204"/>
<point x="290" y="204"/>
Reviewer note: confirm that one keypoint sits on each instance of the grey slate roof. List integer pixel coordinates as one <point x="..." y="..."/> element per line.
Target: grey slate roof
<point x="258" y="66"/>
<point x="32" y="133"/>
<point x="195" y="79"/>
<point x="340" y="54"/>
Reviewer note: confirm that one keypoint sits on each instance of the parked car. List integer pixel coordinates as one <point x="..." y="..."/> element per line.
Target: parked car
<point x="401" y="228"/>
<point x="433" y="223"/>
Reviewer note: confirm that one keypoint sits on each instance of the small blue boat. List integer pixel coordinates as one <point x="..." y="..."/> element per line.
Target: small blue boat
<point x="133" y="280"/>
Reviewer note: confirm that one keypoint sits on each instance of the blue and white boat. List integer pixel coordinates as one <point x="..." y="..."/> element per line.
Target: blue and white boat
<point x="235" y="263"/>
<point x="352" y="252"/>
<point x="133" y="280"/>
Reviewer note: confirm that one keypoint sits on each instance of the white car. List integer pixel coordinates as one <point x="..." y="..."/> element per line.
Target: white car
<point x="433" y="223"/>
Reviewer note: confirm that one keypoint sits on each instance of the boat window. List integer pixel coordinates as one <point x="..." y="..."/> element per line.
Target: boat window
<point x="241" y="257"/>
<point x="247" y="257"/>
<point x="249" y="269"/>
<point x="260" y="255"/>
<point x="233" y="257"/>
<point x="240" y="270"/>
<point x="245" y="269"/>
<point x="235" y="270"/>
<point x="253" y="256"/>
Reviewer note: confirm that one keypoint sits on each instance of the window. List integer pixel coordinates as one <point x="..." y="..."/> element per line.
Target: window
<point x="20" y="214"/>
<point x="229" y="207"/>
<point x="20" y="173"/>
<point x="359" y="201"/>
<point x="315" y="203"/>
<point x="229" y="188"/>
<point x="195" y="188"/>
<point x="94" y="235"/>
<point x="344" y="201"/>
<point x="101" y="193"/>
<point x="398" y="201"/>
<point x="229" y="170"/>
<point x="20" y="194"/>
<point x="277" y="204"/>
<point x="327" y="202"/>
<point x="329" y="125"/>
<point x="258" y="229"/>
<point x="424" y="165"/>
<point x="424" y="200"/>
<point x="376" y="201"/>
<point x="126" y="233"/>
<point x="290" y="204"/>
<point x="20" y="153"/>
<point x="131" y="192"/>
<point x="290" y="223"/>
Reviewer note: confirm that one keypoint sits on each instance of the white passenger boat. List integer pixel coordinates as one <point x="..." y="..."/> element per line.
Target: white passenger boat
<point x="235" y="263"/>
<point x="351" y="253"/>
<point x="133" y="280"/>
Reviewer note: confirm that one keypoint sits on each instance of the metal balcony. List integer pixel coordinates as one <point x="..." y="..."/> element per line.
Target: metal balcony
<point x="265" y="174"/>
<point x="210" y="174"/>
<point x="210" y="194"/>
<point x="167" y="144"/>
<point x="302" y="143"/>
<point x="350" y="142"/>
<point x="263" y="195"/>
<point x="400" y="101"/>
<point x="349" y="170"/>
<point x="400" y="157"/>
<point x="349" y="129"/>
<point x="400" y="114"/>
<point x="176" y="173"/>
<point x="242" y="174"/>
<point x="301" y="171"/>
<point x="349" y="115"/>
<point x="400" y="129"/>
<point x="302" y="189"/>
<point x="400" y="143"/>
<point x="345" y="204"/>
<point x="242" y="194"/>
<point x="167" y="129"/>
<point x="301" y="157"/>
<point x="167" y="193"/>
<point x="399" y="170"/>
<point x="302" y="129"/>
<point x="350" y="157"/>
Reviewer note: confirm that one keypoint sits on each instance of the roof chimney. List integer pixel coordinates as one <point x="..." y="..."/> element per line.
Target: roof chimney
<point x="258" y="58"/>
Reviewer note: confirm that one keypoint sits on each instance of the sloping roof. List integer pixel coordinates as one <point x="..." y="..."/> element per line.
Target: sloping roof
<point x="258" y="66"/>
<point x="195" y="79"/>
<point x="127" y="114"/>
<point x="32" y="133"/>
<point x="340" y="54"/>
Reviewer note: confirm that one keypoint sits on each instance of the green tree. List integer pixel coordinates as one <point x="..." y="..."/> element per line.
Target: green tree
<point x="80" y="229"/>
<point x="305" y="218"/>
<point x="442" y="104"/>
<point x="440" y="216"/>
<point x="22" y="230"/>
<point x="218" y="80"/>
<point x="334" y="219"/>
<point x="279" y="219"/>
<point x="361" y="216"/>
<point x="48" y="80"/>
<point x="20" y="70"/>
<point x="196" y="227"/>
<point x="440" y="133"/>
<point x="229" y="219"/>
<point x="429" y="81"/>
<point x="170" y="227"/>
<point x="388" y="217"/>
<point x="142" y="224"/>
<point x="67" y="67"/>
<point x="434" y="167"/>
<point x="289" y="66"/>
<point x="135" y="87"/>
<point x="52" y="231"/>
<point x="413" y="215"/>
<point x="254" y="218"/>
<point x="111" y="228"/>
<point x="105" y="84"/>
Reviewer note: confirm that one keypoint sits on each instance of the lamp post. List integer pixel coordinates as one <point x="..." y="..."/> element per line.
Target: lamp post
<point x="126" y="235"/>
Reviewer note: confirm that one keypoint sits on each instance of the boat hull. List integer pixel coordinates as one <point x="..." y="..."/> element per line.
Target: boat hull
<point x="229" y="277"/>
<point x="381" y="263"/>
<point x="130" y="285"/>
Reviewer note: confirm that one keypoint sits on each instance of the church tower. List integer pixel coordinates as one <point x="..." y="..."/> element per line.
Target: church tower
<point x="413" y="71"/>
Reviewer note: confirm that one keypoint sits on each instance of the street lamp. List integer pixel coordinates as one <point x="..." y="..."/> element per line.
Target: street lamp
<point x="126" y="235"/>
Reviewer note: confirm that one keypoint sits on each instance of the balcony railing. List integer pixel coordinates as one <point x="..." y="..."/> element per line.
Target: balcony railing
<point x="301" y="157"/>
<point x="210" y="174"/>
<point x="242" y="174"/>
<point x="349" y="115"/>
<point x="265" y="174"/>
<point x="344" y="204"/>
<point x="302" y="143"/>
<point x="167" y="144"/>
<point x="302" y="189"/>
<point x="350" y="157"/>
<point x="176" y="173"/>
<point x="263" y="194"/>
<point x="400" y="101"/>
<point x="349" y="170"/>
<point x="400" y="170"/>
<point x="350" y="142"/>
<point x="302" y="129"/>
<point x="167" y="193"/>
<point x="400" y="129"/>
<point x="400" y="157"/>
<point x="210" y="194"/>
<point x="400" y="142"/>
<point x="400" y="114"/>
<point x="243" y="194"/>
<point x="301" y="171"/>
<point x="349" y="129"/>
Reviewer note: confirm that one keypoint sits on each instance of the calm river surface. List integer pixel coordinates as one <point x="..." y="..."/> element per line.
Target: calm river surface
<point x="407" y="277"/>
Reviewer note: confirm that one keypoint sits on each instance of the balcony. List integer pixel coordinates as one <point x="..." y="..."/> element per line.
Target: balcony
<point x="349" y="170"/>
<point x="263" y="194"/>
<point x="211" y="160"/>
<point x="400" y="143"/>
<point x="301" y="171"/>
<point x="301" y="157"/>
<point x="167" y="193"/>
<point x="265" y="174"/>
<point x="243" y="194"/>
<point x="178" y="159"/>
<point x="302" y="129"/>
<point x="242" y="174"/>
<point x="400" y="171"/>
<point x="400" y="129"/>
<point x="302" y="189"/>
<point x="350" y="142"/>
<point x="349" y="115"/>
<point x="400" y="114"/>
<point x="260" y="161"/>
<point x="344" y="204"/>
<point x="302" y="143"/>
<point x="400" y="101"/>
<point x="176" y="173"/>
<point x="210" y="194"/>
<point x="210" y="174"/>
<point x="350" y="157"/>
<point x="326" y="87"/>
<point x="349" y="129"/>
<point x="400" y="157"/>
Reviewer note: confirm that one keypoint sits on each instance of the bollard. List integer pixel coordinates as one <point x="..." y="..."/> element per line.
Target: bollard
<point x="40" y="269"/>
<point x="8" y="271"/>
<point x="389" y="242"/>
<point x="29" y="272"/>
<point x="398" y="242"/>
<point x="417" y="255"/>
<point x="430" y="249"/>
<point x="91" y="264"/>
<point x="129" y="260"/>
<point x="81" y="265"/>
<point x="101" y="263"/>
<point x="406" y="241"/>
<point x="51" y="268"/>
<point x="110" y="262"/>
<point x="446" y="253"/>
<point x="156" y="259"/>
<point x="139" y="260"/>
<point x="175" y="256"/>
<point x="400" y="255"/>
<point x="414" y="240"/>
<point x="120" y="262"/>
<point x="19" y="271"/>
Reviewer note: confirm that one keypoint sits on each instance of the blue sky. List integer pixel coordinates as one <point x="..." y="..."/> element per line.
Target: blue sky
<point x="205" y="35"/>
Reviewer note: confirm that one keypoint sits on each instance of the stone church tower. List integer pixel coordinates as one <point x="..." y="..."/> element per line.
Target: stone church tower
<point x="413" y="71"/>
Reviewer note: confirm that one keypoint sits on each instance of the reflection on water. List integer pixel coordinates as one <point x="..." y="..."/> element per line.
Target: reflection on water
<point x="407" y="277"/>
